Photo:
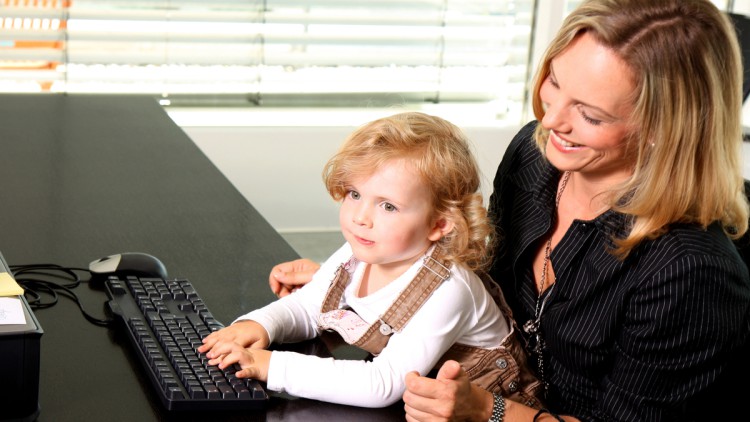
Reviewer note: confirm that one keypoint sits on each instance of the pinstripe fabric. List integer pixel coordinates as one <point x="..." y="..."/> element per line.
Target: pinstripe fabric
<point x="639" y="339"/>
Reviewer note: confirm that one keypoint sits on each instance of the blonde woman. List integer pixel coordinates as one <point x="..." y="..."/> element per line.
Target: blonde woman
<point x="618" y="208"/>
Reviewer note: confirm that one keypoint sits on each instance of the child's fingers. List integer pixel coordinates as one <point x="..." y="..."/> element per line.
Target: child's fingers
<point x="220" y="348"/>
<point x="248" y="372"/>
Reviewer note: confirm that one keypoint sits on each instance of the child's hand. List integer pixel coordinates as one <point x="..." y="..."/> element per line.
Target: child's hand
<point x="254" y="362"/>
<point x="243" y="333"/>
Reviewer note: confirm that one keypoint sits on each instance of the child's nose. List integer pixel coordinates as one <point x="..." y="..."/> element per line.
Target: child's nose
<point x="361" y="217"/>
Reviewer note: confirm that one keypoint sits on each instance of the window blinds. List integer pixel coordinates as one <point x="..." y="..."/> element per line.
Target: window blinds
<point x="273" y="52"/>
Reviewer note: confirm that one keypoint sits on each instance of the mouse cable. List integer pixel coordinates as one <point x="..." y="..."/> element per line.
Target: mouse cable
<point x="35" y="288"/>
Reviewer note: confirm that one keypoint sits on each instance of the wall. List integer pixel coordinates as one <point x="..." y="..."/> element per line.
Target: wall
<point x="278" y="169"/>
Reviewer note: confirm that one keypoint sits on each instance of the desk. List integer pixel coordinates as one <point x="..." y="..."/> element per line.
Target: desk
<point x="84" y="176"/>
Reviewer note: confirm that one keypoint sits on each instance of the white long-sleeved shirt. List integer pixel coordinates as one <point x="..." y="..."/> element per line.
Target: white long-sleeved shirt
<point x="459" y="311"/>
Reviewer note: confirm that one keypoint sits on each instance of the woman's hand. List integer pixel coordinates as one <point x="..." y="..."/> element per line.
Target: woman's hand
<point x="448" y="397"/>
<point x="290" y="276"/>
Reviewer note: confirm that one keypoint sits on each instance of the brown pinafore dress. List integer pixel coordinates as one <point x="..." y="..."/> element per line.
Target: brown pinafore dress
<point x="502" y="370"/>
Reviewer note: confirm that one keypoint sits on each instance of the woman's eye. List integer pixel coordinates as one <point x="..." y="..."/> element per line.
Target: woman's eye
<point x="552" y="81"/>
<point x="588" y="119"/>
<point x="354" y="194"/>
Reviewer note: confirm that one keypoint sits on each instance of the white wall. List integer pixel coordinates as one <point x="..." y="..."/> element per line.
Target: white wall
<point x="275" y="159"/>
<point x="278" y="169"/>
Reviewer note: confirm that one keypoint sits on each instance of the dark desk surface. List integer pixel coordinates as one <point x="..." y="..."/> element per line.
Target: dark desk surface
<point x="84" y="176"/>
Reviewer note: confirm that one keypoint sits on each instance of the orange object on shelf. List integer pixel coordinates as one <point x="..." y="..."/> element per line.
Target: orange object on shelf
<point x="31" y="24"/>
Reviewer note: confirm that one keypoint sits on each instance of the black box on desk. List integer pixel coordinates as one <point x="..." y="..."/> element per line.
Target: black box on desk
<point x="19" y="365"/>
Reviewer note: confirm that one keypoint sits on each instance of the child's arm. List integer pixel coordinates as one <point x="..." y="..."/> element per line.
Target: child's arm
<point x="291" y="318"/>
<point x="294" y="317"/>
<point x="451" y="311"/>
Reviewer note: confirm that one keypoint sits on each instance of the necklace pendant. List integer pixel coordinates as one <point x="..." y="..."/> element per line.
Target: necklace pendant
<point x="531" y="326"/>
<point x="538" y="345"/>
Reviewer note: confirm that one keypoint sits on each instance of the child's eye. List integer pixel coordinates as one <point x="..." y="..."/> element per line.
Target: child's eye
<point x="353" y="194"/>
<point x="389" y="207"/>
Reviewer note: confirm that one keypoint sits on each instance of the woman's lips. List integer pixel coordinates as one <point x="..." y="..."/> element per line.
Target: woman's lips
<point x="562" y="144"/>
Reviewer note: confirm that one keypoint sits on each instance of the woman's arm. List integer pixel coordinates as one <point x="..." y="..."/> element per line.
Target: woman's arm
<point x="451" y="397"/>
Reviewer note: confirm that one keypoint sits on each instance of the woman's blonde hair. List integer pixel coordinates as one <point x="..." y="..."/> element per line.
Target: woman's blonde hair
<point x="441" y="156"/>
<point x="687" y="137"/>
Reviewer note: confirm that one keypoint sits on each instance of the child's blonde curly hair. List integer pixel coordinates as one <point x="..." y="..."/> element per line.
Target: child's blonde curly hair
<point x="442" y="157"/>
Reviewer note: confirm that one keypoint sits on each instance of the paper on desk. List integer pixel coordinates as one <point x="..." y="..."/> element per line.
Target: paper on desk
<point x="8" y="286"/>
<point x="11" y="311"/>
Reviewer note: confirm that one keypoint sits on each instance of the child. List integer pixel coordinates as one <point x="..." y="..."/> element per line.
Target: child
<point x="403" y="287"/>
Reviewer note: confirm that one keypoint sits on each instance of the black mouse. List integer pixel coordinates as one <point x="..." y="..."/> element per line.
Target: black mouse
<point x="124" y="264"/>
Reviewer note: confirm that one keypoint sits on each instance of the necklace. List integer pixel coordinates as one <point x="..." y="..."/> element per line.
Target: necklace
<point x="532" y="326"/>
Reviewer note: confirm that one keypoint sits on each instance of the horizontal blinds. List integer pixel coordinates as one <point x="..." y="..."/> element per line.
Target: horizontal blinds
<point x="271" y="52"/>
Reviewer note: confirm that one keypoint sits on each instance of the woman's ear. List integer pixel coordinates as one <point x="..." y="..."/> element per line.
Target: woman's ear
<point x="441" y="227"/>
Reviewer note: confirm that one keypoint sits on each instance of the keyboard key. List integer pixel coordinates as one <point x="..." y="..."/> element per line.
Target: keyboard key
<point x="226" y="390"/>
<point x="174" y="392"/>
<point x="212" y="391"/>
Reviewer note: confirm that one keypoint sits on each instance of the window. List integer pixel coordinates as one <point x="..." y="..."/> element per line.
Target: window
<point x="477" y="54"/>
<point x="273" y="52"/>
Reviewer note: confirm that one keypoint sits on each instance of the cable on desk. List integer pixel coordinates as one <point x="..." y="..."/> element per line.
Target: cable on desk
<point x="28" y="277"/>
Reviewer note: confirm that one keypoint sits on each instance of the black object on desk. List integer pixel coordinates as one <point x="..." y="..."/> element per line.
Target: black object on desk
<point x="165" y="320"/>
<point x="19" y="364"/>
<point x="88" y="175"/>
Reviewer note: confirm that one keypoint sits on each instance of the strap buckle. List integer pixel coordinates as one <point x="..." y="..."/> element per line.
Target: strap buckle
<point x="444" y="273"/>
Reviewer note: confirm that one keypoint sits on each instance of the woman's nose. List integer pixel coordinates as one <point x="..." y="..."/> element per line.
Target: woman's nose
<point x="556" y="117"/>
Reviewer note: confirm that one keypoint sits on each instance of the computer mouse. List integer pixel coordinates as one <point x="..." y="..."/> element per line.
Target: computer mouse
<point x="129" y="263"/>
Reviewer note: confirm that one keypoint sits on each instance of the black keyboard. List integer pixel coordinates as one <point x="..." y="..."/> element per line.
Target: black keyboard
<point x="165" y="321"/>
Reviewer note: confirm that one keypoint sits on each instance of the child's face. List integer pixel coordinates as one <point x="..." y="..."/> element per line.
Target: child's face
<point x="388" y="218"/>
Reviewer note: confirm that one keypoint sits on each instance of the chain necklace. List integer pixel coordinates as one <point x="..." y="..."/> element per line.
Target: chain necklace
<point x="532" y="326"/>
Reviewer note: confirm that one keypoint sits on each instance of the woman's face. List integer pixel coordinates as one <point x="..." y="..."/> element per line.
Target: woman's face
<point x="588" y="103"/>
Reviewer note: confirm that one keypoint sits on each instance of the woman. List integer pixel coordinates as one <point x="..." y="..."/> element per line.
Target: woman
<point x="615" y="212"/>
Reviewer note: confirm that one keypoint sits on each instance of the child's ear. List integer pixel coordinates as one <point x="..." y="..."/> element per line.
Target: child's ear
<point x="440" y="228"/>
